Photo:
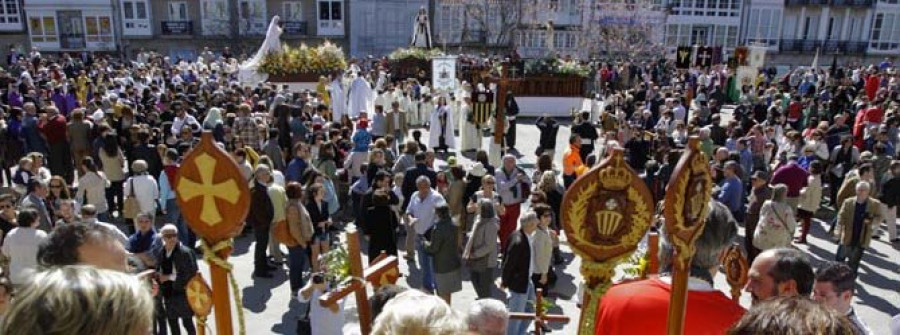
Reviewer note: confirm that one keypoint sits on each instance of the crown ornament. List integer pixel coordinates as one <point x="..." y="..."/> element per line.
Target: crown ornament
<point x="616" y="176"/>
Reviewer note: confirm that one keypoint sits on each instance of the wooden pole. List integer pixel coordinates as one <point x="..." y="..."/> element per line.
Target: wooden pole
<point x="201" y="325"/>
<point x="222" y="298"/>
<point x="357" y="271"/>
<point x="652" y="255"/>
<point x="678" y="300"/>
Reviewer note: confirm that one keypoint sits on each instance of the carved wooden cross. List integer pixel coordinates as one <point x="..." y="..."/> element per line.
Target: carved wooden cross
<point x="384" y="270"/>
<point x="539" y="317"/>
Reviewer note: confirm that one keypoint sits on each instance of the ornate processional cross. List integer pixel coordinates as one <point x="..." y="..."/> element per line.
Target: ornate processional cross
<point x="206" y="188"/>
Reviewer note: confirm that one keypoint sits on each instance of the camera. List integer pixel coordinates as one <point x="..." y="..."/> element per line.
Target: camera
<point x="318" y="278"/>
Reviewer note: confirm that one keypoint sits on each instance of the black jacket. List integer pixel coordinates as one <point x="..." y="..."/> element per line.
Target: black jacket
<point x="890" y="192"/>
<point x="183" y="263"/>
<point x="517" y="262"/>
<point x="261" y="210"/>
<point x="548" y="132"/>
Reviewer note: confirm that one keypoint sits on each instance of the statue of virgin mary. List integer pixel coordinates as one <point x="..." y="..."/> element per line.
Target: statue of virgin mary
<point x="248" y="72"/>
<point x="421" y="30"/>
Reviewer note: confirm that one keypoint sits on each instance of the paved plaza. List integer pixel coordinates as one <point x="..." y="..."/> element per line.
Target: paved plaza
<point x="268" y="307"/>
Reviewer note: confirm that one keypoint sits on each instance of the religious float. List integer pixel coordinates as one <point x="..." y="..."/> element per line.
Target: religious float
<point x="413" y="62"/>
<point x="303" y="64"/>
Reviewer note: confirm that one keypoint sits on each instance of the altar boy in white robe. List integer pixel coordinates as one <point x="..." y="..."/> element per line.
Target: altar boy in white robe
<point x="440" y="132"/>
<point x="469" y="133"/>
<point x="338" y="98"/>
<point x="362" y="98"/>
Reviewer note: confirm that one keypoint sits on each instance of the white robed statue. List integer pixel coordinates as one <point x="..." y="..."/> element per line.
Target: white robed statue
<point x="248" y="72"/>
<point x="421" y="30"/>
<point x="362" y="97"/>
<point x="440" y="132"/>
<point x="338" y="99"/>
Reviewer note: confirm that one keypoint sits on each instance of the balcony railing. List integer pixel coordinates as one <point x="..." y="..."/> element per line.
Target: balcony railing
<point x="824" y="47"/>
<point x="177" y="28"/>
<point x="851" y="3"/>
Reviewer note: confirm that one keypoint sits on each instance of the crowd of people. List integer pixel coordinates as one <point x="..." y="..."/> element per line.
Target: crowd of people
<point x="90" y="147"/>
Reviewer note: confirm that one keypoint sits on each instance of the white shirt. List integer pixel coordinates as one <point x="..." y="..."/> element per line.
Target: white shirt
<point x="145" y="189"/>
<point x="423" y="210"/>
<point x="322" y="319"/>
<point x="21" y="246"/>
<point x="179" y="123"/>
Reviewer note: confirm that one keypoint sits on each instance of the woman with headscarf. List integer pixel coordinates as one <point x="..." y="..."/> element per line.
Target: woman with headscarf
<point x="213" y="122"/>
<point x="776" y="222"/>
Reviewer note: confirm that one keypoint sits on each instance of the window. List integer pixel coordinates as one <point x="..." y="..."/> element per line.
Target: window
<point x="764" y="23"/>
<point x="10" y="13"/>
<point x="43" y="29"/>
<point x="178" y="11"/>
<point x="331" y="18"/>
<point x="292" y="11"/>
<point x="885" y="32"/>
<point x="134" y="10"/>
<point x="98" y="29"/>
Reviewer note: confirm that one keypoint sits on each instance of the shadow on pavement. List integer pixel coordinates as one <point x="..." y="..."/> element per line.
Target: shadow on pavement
<point x="289" y="319"/>
<point x="256" y="296"/>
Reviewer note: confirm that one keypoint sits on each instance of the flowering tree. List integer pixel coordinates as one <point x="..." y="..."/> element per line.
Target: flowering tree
<point x="630" y="29"/>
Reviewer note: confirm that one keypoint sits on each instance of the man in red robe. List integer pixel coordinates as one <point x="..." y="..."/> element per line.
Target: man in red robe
<point x="641" y="307"/>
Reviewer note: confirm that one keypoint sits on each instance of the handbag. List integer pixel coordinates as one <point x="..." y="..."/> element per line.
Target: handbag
<point x="282" y="234"/>
<point x="131" y="207"/>
<point x="304" y="327"/>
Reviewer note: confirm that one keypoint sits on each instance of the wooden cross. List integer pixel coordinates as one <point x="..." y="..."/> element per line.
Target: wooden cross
<point x="384" y="270"/>
<point x="539" y="317"/>
<point x="214" y="199"/>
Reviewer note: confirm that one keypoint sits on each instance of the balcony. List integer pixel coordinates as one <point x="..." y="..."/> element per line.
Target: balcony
<point x="177" y="28"/>
<point x="852" y="3"/>
<point x="296" y="28"/>
<point x="825" y="47"/>
<point x="806" y="2"/>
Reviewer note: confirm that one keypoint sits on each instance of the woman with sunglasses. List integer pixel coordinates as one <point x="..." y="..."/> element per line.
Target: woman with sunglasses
<point x="59" y="190"/>
<point x="7" y="215"/>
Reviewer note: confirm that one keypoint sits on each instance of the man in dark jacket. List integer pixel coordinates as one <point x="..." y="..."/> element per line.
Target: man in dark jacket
<point x="409" y="177"/>
<point x="759" y="193"/>
<point x="146" y="151"/>
<point x="517" y="262"/>
<point x="588" y="133"/>
<point x="177" y="265"/>
<point x="260" y="218"/>
<point x="512" y="110"/>
<point x="548" y="128"/>
<point x="890" y="197"/>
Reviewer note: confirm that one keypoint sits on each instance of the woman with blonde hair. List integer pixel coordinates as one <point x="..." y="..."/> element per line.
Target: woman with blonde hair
<point x="416" y="313"/>
<point x="81" y="300"/>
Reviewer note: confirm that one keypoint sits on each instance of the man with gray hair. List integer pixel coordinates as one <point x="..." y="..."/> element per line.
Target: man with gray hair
<point x="857" y="219"/>
<point x="487" y="317"/>
<point x="709" y="311"/>
<point x="420" y="214"/>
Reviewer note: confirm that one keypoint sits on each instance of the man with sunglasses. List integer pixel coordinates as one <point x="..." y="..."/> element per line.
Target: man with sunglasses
<point x="177" y="265"/>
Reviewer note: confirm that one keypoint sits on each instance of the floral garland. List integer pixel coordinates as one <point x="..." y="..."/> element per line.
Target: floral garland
<point x="418" y="53"/>
<point x="304" y="59"/>
<point x="336" y="264"/>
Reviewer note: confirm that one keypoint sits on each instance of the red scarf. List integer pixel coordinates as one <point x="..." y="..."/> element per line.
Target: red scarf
<point x="171" y="171"/>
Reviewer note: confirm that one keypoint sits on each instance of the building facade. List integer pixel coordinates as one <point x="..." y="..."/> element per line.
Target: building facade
<point x="381" y="26"/>
<point x="171" y="27"/>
